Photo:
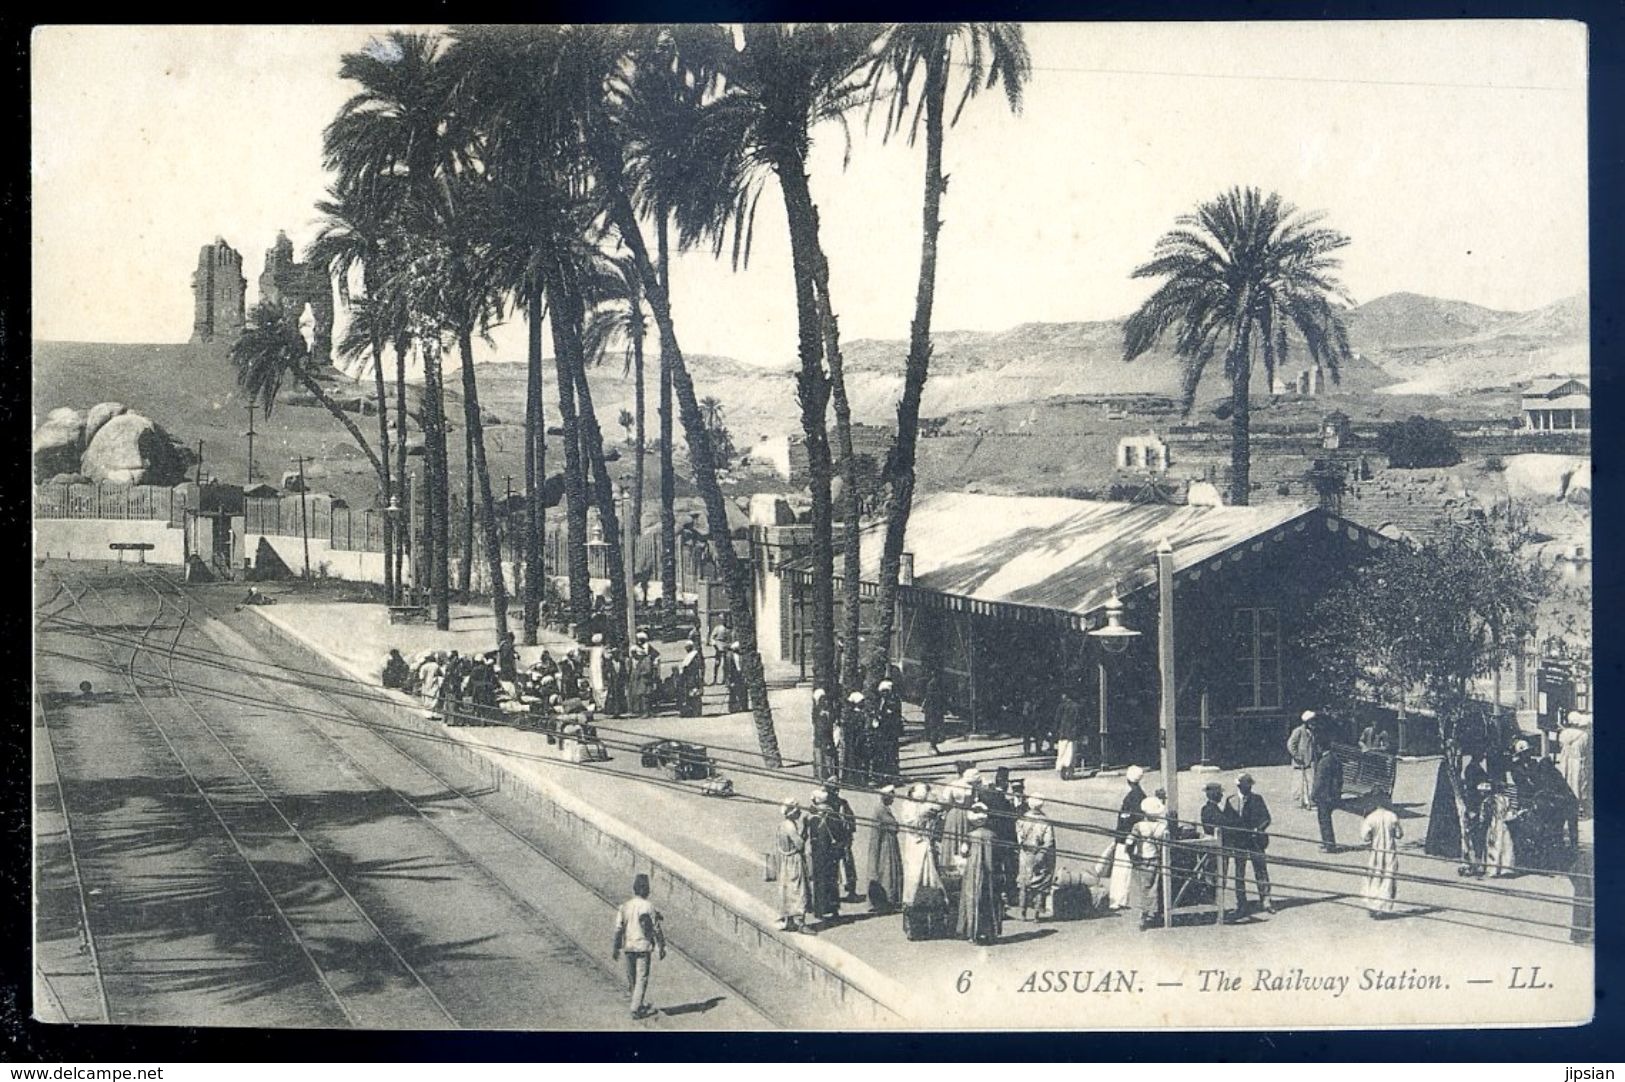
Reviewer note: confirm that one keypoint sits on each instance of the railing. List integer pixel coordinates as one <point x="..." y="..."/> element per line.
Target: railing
<point x="341" y="527"/>
<point x="106" y="500"/>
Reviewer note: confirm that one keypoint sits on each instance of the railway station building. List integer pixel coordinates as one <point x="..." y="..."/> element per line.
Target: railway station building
<point x="1000" y="594"/>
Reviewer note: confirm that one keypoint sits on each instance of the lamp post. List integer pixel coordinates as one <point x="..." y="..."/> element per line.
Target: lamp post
<point x="393" y="514"/>
<point x="304" y="515"/>
<point x="629" y="540"/>
<point x="1170" y="757"/>
<point x="1113" y="638"/>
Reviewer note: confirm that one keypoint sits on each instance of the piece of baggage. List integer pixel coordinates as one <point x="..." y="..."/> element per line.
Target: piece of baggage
<point x="929" y="916"/>
<point x="686" y="762"/>
<point x="1072" y="899"/>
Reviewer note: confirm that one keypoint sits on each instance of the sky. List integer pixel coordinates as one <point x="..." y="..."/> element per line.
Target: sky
<point x="1452" y="154"/>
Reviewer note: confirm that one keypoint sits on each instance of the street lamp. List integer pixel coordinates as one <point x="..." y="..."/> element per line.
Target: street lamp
<point x="393" y="514"/>
<point x="629" y="541"/>
<point x="304" y="514"/>
<point x="1113" y="638"/>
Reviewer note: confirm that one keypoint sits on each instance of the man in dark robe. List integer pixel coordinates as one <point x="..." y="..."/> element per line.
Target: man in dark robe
<point x="886" y="728"/>
<point x="885" y="857"/>
<point x="733" y="671"/>
<point x="826" y="841"/>
<point x="396" y="672"/>
<point x="842" y="809"/>
<point x="507" y="659"/>
<point x="638" y="682"/>
<point x="451" y="690"/>
<point x="1001" y="820"/>
<point x="981" y="909"/>
<point x="691" y="682"/>
<point x="824" y="727"/>
<point x="854" y="738"/>
<point x="1326" y="793"/>
<point x="931" y="703"/>
<point x="614" y="683"/>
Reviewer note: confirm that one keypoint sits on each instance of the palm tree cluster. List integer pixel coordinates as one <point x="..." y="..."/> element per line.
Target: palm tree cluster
<point x="551" y="171"/>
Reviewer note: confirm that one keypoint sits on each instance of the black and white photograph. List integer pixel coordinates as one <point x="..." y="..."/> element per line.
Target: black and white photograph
<point x="890" y="527"/>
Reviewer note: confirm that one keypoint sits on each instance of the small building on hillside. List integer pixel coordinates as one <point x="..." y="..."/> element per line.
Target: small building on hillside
<point x="1147" y="452"/>
<point x="785" y="456"/>
<point x="1004" y="590"/>
<point x="1559" y="404"/>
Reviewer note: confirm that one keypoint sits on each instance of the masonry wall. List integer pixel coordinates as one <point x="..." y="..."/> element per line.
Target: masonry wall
<point x="88" y="538"/>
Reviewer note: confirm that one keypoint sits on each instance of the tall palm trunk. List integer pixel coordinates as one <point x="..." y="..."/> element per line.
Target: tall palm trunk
<point x="1240" y="419"/>
<point x="439" y="471"/>
<point x="851" y="675"/>
<point x="701" y="460"/>
<point x="638" y="407"/>
<point x="465" y="570"/>
<point x="813" y="392"/>
<point x="319" y="393"/>
<point x="899" y="468"/>
<point x="592" y="452"/>
<point x="668" y="479"/>
<point x="482" y="473"/>
<point x="404" y="532"/>
<point x="533" y="478"/>
<point x="575" y="477"/>
<point x="383" y="468"/>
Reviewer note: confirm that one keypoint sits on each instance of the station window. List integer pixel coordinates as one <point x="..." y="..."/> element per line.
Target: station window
<point x="1258" y="648"/>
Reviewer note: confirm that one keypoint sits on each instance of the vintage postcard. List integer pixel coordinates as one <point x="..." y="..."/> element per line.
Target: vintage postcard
<point x="812" y="526"/>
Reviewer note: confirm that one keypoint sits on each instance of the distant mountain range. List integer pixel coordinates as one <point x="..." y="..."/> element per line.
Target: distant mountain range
<point x="1404" y="342"/>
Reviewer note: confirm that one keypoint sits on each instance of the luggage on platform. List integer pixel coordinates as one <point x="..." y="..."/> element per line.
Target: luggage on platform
<point x="1072" y="899"/>
<point x="929" y="916"/>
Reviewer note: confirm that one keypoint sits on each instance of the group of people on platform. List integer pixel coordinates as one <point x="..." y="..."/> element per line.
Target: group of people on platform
<point x="958" y="855"/>
<point x="1521" y="810"/>
<point x="596" y="679"/>
<point x="867" y="733"/>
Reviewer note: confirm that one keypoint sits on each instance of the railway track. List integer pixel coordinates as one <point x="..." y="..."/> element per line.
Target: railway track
<point x="259" y="815"/>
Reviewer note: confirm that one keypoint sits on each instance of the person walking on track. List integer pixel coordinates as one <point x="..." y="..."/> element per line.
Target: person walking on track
<point x="638" y="935"/>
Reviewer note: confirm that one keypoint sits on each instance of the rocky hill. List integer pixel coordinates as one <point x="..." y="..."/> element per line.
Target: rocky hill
<point x="1432" y="346"/>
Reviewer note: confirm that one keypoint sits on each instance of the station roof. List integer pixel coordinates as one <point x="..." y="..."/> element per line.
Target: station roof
<point x="1545" y="388"/>
<point x="1564" y="402"/>
<point x="1063" y="554"/>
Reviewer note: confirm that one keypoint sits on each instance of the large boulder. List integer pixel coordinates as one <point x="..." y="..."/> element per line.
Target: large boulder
<point x="100" y="414"/>
<point x="131" y="449"/>
<point x="58" y="443"/>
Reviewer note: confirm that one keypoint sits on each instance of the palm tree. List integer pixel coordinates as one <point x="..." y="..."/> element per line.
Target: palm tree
<point x="401" y="133"/>
<point x="389" y="147"/>
<point x="270" y="351"/>
<point x="988" y="54"/>
<point x="620" y="150"/>
<point x="1244" y="275"/>
<point x="618" y="315"/>
<point x="353" y="235"/>
<point x="784" y="82"/>
<point x="658" y="107"/>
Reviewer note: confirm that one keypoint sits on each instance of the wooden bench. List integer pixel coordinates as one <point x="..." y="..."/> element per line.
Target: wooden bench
<point x="1366" y="774"/>
<point x="408" y="614"/>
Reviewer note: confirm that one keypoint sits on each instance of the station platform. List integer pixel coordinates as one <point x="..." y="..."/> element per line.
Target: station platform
<point x="708" y="857"/>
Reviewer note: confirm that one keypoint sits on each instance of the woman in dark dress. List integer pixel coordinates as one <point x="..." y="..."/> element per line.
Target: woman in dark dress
<point x="981" y="910"/>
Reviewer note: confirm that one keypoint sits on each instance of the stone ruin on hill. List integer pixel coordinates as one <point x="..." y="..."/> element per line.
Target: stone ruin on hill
<point x="296" y="285"/>
<point x="220" y="294"/>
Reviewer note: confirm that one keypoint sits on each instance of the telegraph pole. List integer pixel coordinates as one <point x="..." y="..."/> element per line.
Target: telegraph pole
<point x="197" y="477"/>
<point x="250" y="435"/>
<point x="304" y="515"/>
